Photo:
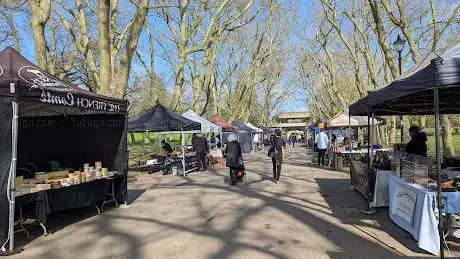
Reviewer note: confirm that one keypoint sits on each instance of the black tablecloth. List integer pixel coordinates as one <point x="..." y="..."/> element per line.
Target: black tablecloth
<point x="41" y="203"/>
<point x="77" y="196"/>
<point x="34" y="204"/>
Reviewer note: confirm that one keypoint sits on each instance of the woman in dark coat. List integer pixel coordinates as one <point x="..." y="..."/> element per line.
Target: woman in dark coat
<point x="234" y="157"/>
<point x="278" y="145"/>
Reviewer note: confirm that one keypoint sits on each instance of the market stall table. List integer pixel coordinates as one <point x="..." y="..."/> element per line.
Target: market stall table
<point x="360" y="177"/>
<point x="87" y="194"/>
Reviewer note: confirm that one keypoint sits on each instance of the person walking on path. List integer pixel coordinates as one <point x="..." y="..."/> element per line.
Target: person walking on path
<point x="277" y="154"/>
<point x="201" y="148"/>
<point x="234" y="159"/>
<point x="322" y="142"/>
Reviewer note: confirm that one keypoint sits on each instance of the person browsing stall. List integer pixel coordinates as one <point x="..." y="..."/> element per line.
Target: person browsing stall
<point x="201" y="148"/>
<point x="166" y="148"/>
<point x="322" y="142"/>
<point x="417" y="144"/>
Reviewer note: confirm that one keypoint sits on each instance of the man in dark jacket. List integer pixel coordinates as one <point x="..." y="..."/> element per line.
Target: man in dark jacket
<point x="201" y="148"/>
<point x="278" y="147"/>
<point x="417" y="144"/>
<point x="234" y="157"/>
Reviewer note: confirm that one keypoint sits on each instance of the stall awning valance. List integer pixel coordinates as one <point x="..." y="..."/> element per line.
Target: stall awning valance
<point x="412" y="93"/>
<point x="160" y="119"/>
<point x="34" y="85"/>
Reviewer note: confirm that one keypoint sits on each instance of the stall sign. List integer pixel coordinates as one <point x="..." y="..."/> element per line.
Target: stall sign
<point x="61" y="93"/>
<point x="404" y="203"/>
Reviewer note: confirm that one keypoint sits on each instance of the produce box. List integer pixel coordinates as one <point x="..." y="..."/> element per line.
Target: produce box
<point x="217" y="163"/>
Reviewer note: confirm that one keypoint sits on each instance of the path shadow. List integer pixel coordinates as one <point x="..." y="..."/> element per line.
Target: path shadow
<point x="347" y="205"/>
<point x="134" y="194"/>
<point x="342" y="238"/>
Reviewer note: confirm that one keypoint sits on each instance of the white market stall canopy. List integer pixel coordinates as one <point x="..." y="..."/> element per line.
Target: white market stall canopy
<point x="343" y="120"/>
<point x="206" y="126"/>
<point x="257" y="130"/>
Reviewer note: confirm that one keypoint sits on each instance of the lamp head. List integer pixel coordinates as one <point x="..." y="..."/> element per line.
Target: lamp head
<point x="399" y="43"/>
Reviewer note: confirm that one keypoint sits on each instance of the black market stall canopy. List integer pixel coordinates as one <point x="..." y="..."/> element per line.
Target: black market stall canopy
<point x="21" y="79"/>
<point x="431" y="87"/>
<point x="244" y="133"/>
<point x="43" y="118"/>
<point x="240" y="126"/>
<point x="160" y="119"/>
<point x="412" y="93"/>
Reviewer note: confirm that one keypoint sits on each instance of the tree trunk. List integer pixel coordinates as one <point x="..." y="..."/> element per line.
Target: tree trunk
<point x="422" y="122"/>
<point x="406" y="124"/>
<point x="124" y="68"/>
<point x="379" y="25"/>
<point x="447" y="136"/>
<point x="177" y="95"/>
<point x="103" y="28"/>
<point x="392" y="130"/>
<point x="40" y="15"/>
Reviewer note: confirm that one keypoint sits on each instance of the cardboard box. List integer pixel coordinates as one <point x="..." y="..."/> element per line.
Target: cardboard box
<point x="19" y="180"/>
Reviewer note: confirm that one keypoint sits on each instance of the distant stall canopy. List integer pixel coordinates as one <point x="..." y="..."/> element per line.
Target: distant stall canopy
<point x="160" y="119"/>
<point x="258" y="130"/>
<point x="221" y="122"/>
<point x="343" y="119"/>
<point x="206" y="126"/>
<point x="239" y="125"/>
<point x="412" y="93"/>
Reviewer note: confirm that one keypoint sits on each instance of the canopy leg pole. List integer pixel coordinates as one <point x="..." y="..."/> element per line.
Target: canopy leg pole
<point x="369" y="210"/>
<point x="12" y="176"/>
<point x="183" y="152"/>
<point x="350" y="148"/>
<point x="438" y="171"/>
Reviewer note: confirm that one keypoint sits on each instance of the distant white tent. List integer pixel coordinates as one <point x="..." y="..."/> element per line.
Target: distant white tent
<point x="343" y="119"/>
<point x="257" y="134"/>
<point x="258" y="130"/>
<point x="206" y="126"/>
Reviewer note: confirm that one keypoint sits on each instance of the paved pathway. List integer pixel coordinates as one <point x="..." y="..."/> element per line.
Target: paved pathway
<point x="309" y="214"/>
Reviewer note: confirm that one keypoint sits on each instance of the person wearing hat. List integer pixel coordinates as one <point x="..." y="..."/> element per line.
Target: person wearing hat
<point x="234" y="157"/>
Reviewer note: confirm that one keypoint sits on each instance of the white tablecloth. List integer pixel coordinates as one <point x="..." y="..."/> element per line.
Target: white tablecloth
<point x="424" y="223"/>
<point x="381" y="191"/>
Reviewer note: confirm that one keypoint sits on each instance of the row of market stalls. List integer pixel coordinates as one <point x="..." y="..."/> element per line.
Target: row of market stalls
<point x="159" y="119"/>
<point x="415" y="188"/>
<point x="64" y="147"/>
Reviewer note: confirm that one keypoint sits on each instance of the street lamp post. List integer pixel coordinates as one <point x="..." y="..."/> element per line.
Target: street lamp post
<point x="399" y="46"/>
